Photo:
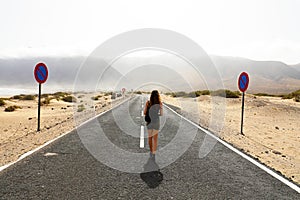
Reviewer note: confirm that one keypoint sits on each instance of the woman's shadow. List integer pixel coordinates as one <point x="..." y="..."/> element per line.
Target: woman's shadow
<point x="151" y="175"/>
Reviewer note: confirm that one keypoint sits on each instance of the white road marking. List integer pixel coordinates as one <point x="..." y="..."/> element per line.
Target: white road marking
<point x="50" y="154"/>
<point x="49" y="142"/>
<point x="142" y="141"/>
<point x="261" y="166"/>
<point x="142" y="114"/>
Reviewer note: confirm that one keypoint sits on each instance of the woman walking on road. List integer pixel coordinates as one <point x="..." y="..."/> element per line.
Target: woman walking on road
<point x="153" y="109"/>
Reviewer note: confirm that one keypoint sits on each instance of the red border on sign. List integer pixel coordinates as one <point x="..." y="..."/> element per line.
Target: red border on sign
<point x="35" y="73"/>
<point x="247" y="84"/>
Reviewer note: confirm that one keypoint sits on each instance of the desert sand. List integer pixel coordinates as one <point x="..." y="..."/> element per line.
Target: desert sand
<point x="19" y="128"/>
<point x="271" y="128"/>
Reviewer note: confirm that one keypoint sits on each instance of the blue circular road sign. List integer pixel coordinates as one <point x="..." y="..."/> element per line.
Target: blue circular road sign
<point x="243" y="81"/>
<point x="41" y="73"/>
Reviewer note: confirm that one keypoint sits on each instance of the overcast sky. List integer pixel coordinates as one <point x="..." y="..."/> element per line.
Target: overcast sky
<point x="255" y="29"/>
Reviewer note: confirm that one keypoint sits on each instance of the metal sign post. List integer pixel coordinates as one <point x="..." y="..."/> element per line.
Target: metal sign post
<point x="242" y="121"/>
<point x="41" y="75"/>
<point x="39" y="107"/>
<point x="243" y="83"/>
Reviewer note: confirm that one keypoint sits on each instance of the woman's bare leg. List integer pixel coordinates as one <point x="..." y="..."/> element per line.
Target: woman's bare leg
<point x="155" y="140"/>
<point x="150" y="140"/>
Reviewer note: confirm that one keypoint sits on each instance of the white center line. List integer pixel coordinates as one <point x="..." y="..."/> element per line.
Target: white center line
<point x="142" y="141"/>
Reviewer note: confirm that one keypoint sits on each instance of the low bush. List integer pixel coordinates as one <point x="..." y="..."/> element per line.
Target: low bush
<point x="24" y="97"/>
<point x="80" y="108"/>
<point x="69" y="99"/>
<point x="17" y="97"/>
<point x="222" y="93"/>
<point x="28" y="97"/>
<point x="11" y="108"/>
<point x="2" y="103"/>
<point x="46" y="101"/>
<point x="226" y="93"/>
<point x="190" y="94"/>
<point x="205" y="92"/>
<point x="292" y="95"/>
<point x="60" y="95"/>
<point x="45" y="95"/>
<point x="269" y="95"/>
<point x="287" y="96"/>
<point x="297" y="98"/>
<point x="264" y="95"/>
<point x="179" y="94"/>
<point x="138" y="92"/>
<point x="96" y="98"/>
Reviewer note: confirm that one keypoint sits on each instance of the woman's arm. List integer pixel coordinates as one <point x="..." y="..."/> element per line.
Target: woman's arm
<point x="161" y="109"/>
<point x="145" y="107"/>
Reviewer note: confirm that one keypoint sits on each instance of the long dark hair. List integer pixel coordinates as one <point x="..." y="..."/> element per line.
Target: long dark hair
<point x="155" y="98"/>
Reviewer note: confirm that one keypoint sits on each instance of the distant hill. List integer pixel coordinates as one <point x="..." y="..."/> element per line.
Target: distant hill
<point x="265" y="76"/>
<point x="18" y="72"/>
<point x="296" y="67"/>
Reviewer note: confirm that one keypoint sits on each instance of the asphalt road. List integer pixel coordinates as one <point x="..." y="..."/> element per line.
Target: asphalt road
<point x="72" y="172"/>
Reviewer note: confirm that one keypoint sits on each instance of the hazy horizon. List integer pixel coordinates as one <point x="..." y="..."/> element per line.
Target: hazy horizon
<point x="63" y="70"/>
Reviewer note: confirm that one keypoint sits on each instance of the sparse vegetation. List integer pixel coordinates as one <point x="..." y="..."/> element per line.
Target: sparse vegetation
<point x="226" y="93"/>
<point x="190" y="94"/>
<point x="268" y="95"/>
<point x="11" y="108"/>
<point x="96" y="98"/>
<point x="80" y="108"/>
<point x="294" y="95"/>
<point x="137" y="92"/>
<point x="69" y="99"/>
<point x="45" y="95"/>
<point x="297" y="98"/>
<point x="46" y="101"/>
<point x="2" y="103"/>
<point x="28" y="97"/>
<point x="204" y="92"/>
<point x="17" y="97"/>
<point x="24" y="97"/>
<point x="263" y="95"/>
<point x="60" y="95"/>
<point x="287" y="96"/>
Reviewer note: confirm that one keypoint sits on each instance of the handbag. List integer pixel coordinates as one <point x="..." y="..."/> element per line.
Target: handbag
<point x="147" y="116"/>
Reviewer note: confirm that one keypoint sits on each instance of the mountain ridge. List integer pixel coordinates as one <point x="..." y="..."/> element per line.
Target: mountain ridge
<point x="265" y="76"/>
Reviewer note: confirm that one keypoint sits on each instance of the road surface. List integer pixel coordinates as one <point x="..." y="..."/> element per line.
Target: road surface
<point x="66" y="170"/>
